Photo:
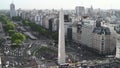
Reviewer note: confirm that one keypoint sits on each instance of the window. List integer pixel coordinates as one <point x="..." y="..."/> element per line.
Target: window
<point x="102" y="46"/>
<point x="102" y="43"/>
<point x="102" y="38"/>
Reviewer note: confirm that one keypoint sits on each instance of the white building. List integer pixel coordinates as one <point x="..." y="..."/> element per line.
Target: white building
<point x="117" y="29"/>
<point x="55" y="24"/>
<point x="118" y="48"/>
<point x="87" y="30"/>
<point x="12" y="10"/>
<point x="80" y="10"/>
<point x="103" y="40"/>
<point x="90" y="12"/>
<point x="100" y="39"/>
<point x="19" y="12"/>
<point x="38" y="19"/>
<point x="83" y="32"/>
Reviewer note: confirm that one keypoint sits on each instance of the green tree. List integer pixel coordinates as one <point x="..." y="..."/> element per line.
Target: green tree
<point x="41" y="30"/>
<point x="10" y="26"/>
<point x="18" y="41"/>
<point x="54" y="35"/>
<point x="25" y="22"/>
<point x="4" y="19"/>
<point x="18" y="38"/>
<point x="16" y="18"/>
<point x="11" y="32"/>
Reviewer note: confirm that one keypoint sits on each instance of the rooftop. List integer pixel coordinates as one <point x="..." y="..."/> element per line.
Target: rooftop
<point x="102" y="30"/>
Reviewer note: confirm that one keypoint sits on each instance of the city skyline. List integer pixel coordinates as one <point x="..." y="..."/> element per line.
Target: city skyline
<point x="57" y="4"/>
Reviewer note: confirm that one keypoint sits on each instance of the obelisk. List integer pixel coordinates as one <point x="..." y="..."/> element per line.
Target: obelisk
<point x="61" y="41"/>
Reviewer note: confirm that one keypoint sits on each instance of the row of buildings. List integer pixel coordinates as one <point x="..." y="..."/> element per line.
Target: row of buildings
<point x="91" y="27"/>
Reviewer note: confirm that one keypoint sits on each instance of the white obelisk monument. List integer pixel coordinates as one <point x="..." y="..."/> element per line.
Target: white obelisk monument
<point x="61" y="41"/>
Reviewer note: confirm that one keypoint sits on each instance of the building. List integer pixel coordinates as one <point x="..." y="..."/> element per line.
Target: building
<point x="80" y="10"/>
<point x="82" y="31"/>
<point x="67" y="23"/>
<point x="38" y="19"/>
<point x="90" y="12"/>
<point x="102" y="40"/>
<point x="117" y="30"/>
<point x="19" y="12"/>
<point x="12" y="10"/>
<point x="118" y="48"/>
<point x="96" y="36"/>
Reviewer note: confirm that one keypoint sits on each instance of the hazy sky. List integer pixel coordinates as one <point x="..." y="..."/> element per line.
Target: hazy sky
<point x="57" y="4"/>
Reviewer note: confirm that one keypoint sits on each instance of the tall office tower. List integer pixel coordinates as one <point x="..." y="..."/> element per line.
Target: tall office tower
<point x="80" y="10"/>
<point x="90" y="11"/>
<point x="12" y="10"/>
<point x="61" y="42"/>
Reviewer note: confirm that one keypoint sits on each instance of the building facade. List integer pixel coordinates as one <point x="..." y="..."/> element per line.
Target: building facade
<point x="12" y="10"/>
<point x="118" y="49"/>
<point x="95" y="36"/>
<point x="80" y="10"/>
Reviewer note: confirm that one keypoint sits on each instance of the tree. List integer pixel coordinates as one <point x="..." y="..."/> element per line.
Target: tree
<point x="41" y="30"/>
<point x="10" y="26"/>
<point x="25" y="22"/>
<point x="4" y="19"/>
<point x="17" y="41"/>
<point x="11" y="32"/>
<point x="16" y="18"/>
<point x="54" y="35"/>
<point x="17" y="38"/>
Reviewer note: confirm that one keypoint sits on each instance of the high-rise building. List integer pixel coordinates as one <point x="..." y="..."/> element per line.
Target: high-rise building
<point x="61" y="42"/>
<point x="80" y="10"/>
<point x="96" y="36"/>
<point x="90" y="11"/>
<point x="12" y="10"/>
<point x="103" y="41"/>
